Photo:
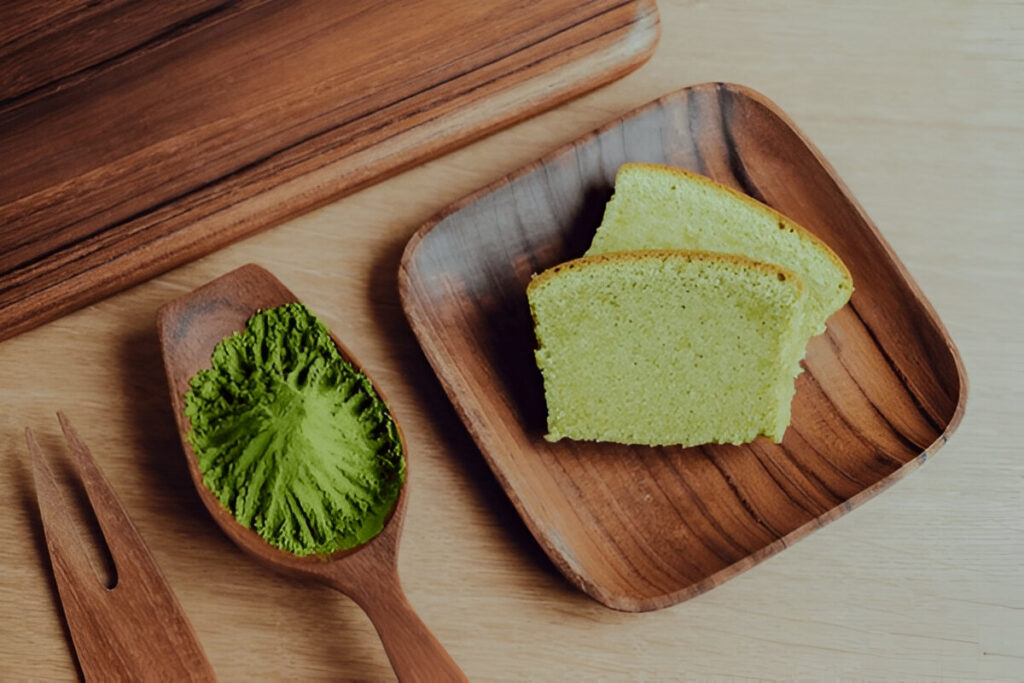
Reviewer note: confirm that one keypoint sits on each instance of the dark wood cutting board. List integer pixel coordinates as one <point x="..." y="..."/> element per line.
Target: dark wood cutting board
<point x="136" y="135"/>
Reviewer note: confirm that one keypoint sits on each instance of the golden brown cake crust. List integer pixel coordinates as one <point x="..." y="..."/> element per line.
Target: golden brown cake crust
<point x="667" y="255"/>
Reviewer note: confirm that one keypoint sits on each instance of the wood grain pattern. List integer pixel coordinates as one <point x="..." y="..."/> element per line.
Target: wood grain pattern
<point x="917" y="105"/>
<point x="139" y="135"/>
<point x="135" y="629"/>
<point x="639" y="528"/>
<point x="190" y="327"/>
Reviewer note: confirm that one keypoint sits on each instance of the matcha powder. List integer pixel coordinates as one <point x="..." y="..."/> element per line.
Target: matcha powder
<point x="292" y="439"/>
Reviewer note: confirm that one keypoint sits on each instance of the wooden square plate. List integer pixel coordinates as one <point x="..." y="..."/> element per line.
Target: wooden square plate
<point x="640" y="528"/>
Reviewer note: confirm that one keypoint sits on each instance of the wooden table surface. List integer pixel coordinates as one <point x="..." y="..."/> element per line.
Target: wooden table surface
<point x="918" y="106"/>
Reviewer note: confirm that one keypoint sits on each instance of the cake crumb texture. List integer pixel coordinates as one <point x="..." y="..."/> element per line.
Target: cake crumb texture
<point x="667" y="347"/>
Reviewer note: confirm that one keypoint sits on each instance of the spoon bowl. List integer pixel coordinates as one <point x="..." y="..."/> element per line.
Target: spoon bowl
<point x="190" y="327"/>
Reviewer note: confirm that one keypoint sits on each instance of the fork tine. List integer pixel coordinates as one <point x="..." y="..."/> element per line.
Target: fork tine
<point x="123" y="539"/>
<point x="71" y="565"/>
<point x="137" y="630"/>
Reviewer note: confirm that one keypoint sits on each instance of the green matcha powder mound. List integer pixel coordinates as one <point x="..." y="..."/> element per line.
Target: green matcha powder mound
<point x="292" y="439"/>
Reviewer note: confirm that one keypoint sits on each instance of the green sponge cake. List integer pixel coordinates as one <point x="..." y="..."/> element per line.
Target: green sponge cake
<point x="658" y="207"/>
<point x="667" y="347"/>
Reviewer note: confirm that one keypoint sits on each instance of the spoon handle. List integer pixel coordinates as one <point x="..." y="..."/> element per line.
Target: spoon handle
<point x="414" y="652"/>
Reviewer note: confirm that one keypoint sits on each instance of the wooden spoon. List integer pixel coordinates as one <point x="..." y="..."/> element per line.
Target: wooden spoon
<point x="190" y="327"/>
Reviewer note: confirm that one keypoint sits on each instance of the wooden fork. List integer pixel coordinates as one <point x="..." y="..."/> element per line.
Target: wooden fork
<point x="135" y="630"/>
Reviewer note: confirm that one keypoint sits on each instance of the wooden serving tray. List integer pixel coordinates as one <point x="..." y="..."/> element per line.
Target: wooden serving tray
<point x="138" y="135"/>
<point x="637" y="527"/>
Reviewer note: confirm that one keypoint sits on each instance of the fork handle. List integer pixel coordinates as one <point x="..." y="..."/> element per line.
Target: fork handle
<point x="415" y="654"/>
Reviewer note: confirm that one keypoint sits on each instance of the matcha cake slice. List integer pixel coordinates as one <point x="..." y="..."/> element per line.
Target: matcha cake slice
<point x="659" y="207"/>
<point x="667" y="347"/>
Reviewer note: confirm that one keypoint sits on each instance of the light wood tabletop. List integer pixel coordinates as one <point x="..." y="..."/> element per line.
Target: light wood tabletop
<point x="918" y="106"/>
